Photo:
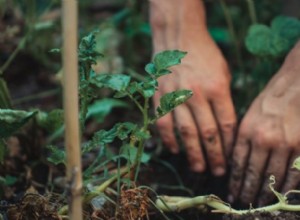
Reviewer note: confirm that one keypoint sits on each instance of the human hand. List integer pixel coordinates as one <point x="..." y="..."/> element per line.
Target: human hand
<point x="268" y="139"/>
<point x="208" y="117"/>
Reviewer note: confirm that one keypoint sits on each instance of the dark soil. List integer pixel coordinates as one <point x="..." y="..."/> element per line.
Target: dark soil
<point x="264" y="216"/>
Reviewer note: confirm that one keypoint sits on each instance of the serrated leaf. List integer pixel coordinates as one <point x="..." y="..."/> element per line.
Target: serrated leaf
<point x="147" y="89"/>
<point x="296" y="163"/>
<point x="141" y="135"/>
<point x="13" y="120"/>
<point x="106" y="137"/>
<point x="57" y="156"/>
<point x="171" y="100"/>
<point x="87" y="52"/>
<point x="124" y="129"/>
<point x="118" y="82"/>
<point x="168" y="58"/>
<point x="101" y="108"/>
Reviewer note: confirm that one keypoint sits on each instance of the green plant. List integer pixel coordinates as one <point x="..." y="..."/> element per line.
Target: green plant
<point x="131" y="135"/>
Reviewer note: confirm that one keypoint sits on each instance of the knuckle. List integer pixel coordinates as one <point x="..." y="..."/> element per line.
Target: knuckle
<point x="265" y="138"/>
<point x="217" y="88"/>
<point x="227" y="127"/>
<point x="188" y="131"/>
<point x="209" y="134"/>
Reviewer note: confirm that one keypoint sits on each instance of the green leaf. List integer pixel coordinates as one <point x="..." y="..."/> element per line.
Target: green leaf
<point x="287" y="27"/>
<point x="150" y="68"/>
<point x="106" y="137"/>
<point x="274" y="41"/>
<point x="124" y="129"/>
<point x="147" y="89"/>
<point x="141" y="135"/>
<point x="129" y="152"/>
<point x="10" y="180"/>
<point x="87" y="50"/>
<point x="13" y="120"/>
<point x="57" y="156"/>
<point x="55" y="50"/>
<point x="101" y="108"/>
<point x="51" y="121"/>
<point x="166" y="59"/>
<point x="103" y="137"/>
<point x="258" y="39"/>
<point x="296" y="163"/>
<point x="171" y="100"/>
<point x="118" y="82"/>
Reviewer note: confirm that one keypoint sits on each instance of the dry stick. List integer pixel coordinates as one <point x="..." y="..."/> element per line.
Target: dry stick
<point x="71" y="108"/>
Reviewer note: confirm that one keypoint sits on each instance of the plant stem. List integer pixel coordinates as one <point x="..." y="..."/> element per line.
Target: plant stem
<point x="13" y="55"/>
<point x="252" y="12"/>
<point x="36" y="96"/>
<point x="5" y="100"/>
<point x="100" y="189"/>
<point x="177" y="204"/>
<point x="71" y="107"/>
<point x="136" y="102"/>
<point x="140" y="150"/>
<point x="233" y="34"/>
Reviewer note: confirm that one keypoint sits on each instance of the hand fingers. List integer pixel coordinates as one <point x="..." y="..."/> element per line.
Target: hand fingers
<point x="277" y="167"/>
<point x="257" y="162"/>
<point x="166" y="129"/>
<point x="190" y="137"/>
<point x="239" y="162"/>
<point x="293" y="175"/>
<point x="226" y="119"/>
<point x="209" y="133"/>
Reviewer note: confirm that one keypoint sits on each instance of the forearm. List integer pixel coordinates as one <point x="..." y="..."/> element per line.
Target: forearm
<point x="170" y="19"/>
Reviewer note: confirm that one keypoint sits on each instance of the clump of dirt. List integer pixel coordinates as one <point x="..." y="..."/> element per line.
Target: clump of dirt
<point x="33" y="207"/>
<point x="133" y="204"/>
<point x="264" y="216"/>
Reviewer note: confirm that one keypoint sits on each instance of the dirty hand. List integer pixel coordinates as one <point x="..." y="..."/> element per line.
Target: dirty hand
<point x="208" y="117"/>
<point x="269" y="138"/>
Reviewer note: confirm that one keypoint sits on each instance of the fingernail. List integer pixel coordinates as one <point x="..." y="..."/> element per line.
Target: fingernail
<point x="219" y="171"/>
<point x="230" y="198"/>
<point x="198" y="167"/>
<point x="174" y="150"/>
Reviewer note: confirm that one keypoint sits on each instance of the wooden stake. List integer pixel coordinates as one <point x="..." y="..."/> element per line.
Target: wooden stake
<point x="71" y="108"/>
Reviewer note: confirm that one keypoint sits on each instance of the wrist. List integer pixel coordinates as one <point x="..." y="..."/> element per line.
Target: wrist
<point x="186" y="14"/>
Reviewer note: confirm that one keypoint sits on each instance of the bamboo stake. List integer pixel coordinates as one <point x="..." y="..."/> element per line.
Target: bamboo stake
<point x="71" y="107"/>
